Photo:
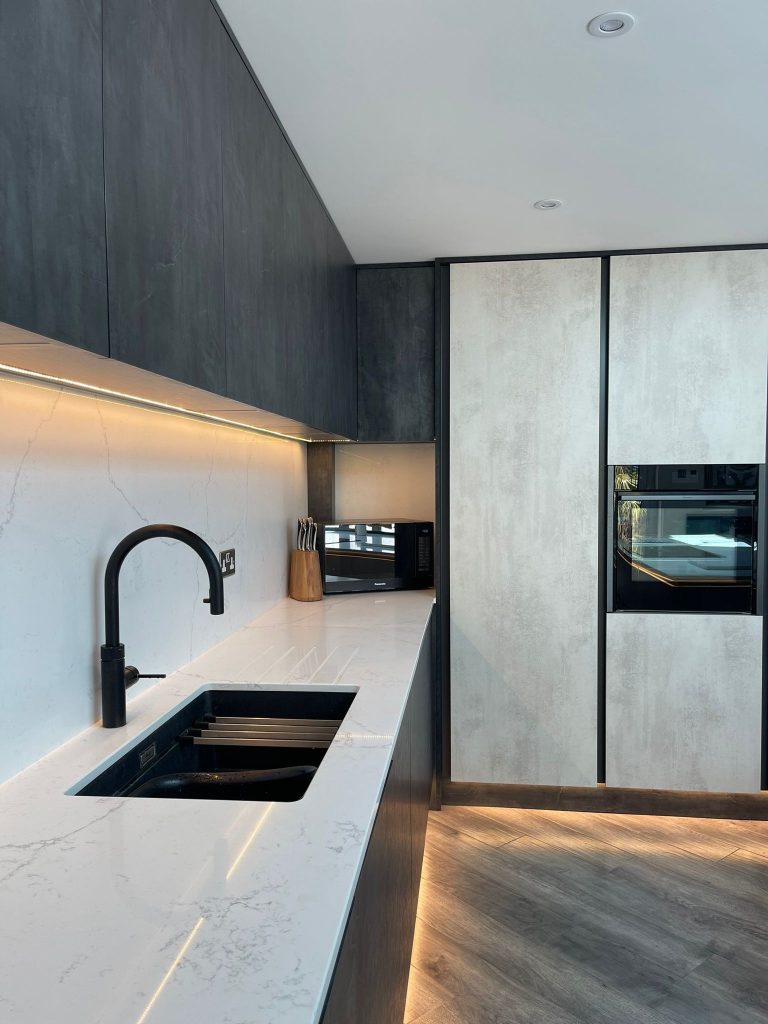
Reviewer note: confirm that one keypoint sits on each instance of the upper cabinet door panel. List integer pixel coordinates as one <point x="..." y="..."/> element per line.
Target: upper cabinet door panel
<point x="255" y="246"/>
<point x="688" y="357"/>
<point x="163" y="100"/>
<point x="396" y="354"/>
<point x="339" y="407"/>
<point x="289" y="277"/>
<point x="52" y="253"/>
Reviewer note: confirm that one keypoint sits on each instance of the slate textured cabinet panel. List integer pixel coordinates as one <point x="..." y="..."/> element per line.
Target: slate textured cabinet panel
<point x="684" y="701"/>
<point x="524" y="532"/>
<point x="421" y="713"/>
<point x="255" y="227"/>
<point x="396" y="353"/>
<point x="52" y="250"/>
<point x="371" y="976"/>
<point x="289" y="277"/>
<point x="163" y="100"/>
<point x="688" y="357"/>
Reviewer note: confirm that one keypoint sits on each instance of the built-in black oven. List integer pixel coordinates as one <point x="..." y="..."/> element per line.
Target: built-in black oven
<point x="360" y="555"/>
<point x="685" y="538"/>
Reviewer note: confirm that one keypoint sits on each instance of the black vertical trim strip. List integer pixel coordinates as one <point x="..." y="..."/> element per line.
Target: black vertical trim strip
<point x="224" y="99"/>
<point x="104" y="184"/>
<point x="762" y="598"/>
<point x="602" y="506"/>
<point x="357" y="354"/>
<point x="442" y="436"/>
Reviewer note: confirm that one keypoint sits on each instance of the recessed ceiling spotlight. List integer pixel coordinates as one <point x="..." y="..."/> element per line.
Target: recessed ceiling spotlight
<point x="616" y="23"/>
<point x="547" y="204"/>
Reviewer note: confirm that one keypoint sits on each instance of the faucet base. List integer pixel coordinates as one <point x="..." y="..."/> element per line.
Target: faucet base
<point x="112" y="686"/>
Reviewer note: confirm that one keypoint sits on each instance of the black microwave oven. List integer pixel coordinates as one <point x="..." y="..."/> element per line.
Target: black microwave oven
<point x="363" y="555"/>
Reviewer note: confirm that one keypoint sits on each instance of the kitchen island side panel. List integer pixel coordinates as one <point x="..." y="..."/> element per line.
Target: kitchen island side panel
<point x="524" y="520"/>
<point x="683" y="701"/>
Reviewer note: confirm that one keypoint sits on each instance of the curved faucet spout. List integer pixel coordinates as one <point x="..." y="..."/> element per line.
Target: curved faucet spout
<point x="113" y="678"/>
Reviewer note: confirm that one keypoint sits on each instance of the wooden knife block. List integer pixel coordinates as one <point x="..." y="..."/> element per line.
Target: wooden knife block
<point x="304" y="583"/>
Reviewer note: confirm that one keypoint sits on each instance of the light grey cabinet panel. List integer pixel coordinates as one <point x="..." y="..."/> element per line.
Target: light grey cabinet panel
<point x="683" y="707"/>
<point x="688" y="357"/>
<point x="524" y="422"/>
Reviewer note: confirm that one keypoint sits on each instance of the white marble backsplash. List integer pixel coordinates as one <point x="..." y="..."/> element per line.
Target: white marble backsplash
<point x="78" y="473"/>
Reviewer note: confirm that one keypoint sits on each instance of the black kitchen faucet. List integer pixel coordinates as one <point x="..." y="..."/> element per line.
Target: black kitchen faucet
<point x="115" y="677"/>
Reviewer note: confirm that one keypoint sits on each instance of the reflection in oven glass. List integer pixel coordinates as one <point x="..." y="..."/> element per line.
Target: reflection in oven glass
<point x="674" y="544"/>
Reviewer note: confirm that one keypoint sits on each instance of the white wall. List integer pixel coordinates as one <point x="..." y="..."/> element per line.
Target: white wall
<point x="76" y="475"/>
<point x="377" y="480"/>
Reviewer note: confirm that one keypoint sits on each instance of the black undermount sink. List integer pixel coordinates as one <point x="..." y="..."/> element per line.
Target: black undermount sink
<point x="231" y="745"/>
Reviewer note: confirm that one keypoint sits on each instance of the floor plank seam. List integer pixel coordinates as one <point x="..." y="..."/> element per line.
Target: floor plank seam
<point x="699" y="960"/>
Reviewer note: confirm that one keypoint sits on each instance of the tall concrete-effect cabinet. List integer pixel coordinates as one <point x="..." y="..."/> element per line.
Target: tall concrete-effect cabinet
<point x="688" y="380"/>
<point x="688" y="357"/>
<point x="524" y="526"/>
<point x="683" y="707"/>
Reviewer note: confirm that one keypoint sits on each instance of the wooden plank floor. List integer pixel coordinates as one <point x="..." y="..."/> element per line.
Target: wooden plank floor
<point x="557" y="917"/>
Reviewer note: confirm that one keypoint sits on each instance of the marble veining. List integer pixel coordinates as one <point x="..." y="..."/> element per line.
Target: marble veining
<point x="130" y="911"/>
<point x="76" y="475"/>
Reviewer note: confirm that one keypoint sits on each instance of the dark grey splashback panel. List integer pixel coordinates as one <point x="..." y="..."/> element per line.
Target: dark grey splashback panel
<point x="52" y="255"/>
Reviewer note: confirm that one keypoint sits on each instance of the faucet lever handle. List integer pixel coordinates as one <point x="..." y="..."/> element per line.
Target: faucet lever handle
<point x="132" y="674"/>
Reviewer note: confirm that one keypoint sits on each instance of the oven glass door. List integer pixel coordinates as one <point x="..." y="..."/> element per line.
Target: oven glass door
<point x="359" y="551"/>
<point x="685" y="552"/>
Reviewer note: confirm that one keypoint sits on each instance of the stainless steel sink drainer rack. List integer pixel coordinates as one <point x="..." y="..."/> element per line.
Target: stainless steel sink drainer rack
<point x="253" y="731"/>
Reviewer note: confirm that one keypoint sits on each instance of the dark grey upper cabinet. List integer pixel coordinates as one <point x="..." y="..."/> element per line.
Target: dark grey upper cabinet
<point x="289" y="277"/>
<point x="340" y="380"/>
<point x="52" y="254"/>
<point x="396" y="353"/>
<point x="255" y="226"/>
<point x="163" y="102"/>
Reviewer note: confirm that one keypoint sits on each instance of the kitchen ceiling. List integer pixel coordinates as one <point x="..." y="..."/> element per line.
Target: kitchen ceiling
<point x="430" y="127"/>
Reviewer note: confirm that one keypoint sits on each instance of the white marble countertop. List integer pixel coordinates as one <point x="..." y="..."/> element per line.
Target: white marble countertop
<point x="131" y="911"/>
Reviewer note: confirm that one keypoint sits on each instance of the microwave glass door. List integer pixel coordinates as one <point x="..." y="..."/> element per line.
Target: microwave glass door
<point x="684" y="552"/>
<point x="359" y="551"/>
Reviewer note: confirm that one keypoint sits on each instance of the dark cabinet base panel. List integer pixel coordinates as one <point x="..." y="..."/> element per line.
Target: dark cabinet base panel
<point x="611" y="799"/>
<point x="370" y="981"/>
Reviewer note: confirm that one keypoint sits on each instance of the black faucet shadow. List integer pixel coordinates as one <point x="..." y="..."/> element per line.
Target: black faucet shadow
<point x="115" y="677"/>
